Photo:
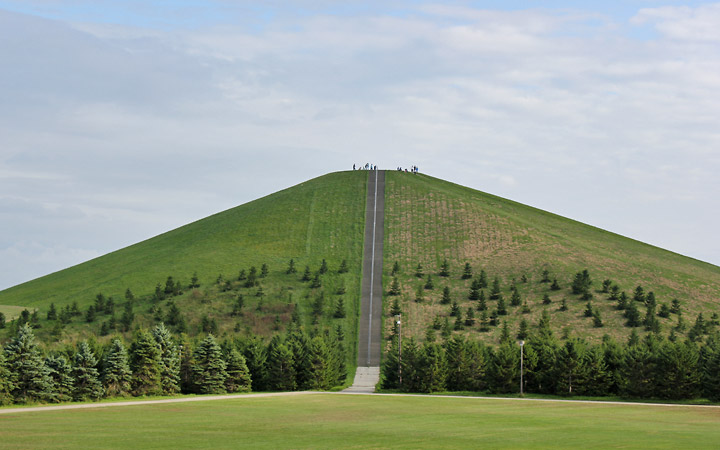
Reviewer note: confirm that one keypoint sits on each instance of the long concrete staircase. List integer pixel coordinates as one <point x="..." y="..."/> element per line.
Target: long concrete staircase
<point x="370" y="334"/>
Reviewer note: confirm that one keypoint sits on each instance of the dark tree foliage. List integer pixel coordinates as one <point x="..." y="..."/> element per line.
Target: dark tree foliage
<point x="474" y="290"/>
<point x="343" y="267"/>
<point x="501" y="308"/>
<point x="482" y="303"/>
<point x="51" y="314"/>
<point x="316" y="282"/>
<point x="291" y="267"/>
<point x="128" y="317"/>
<point x="429" y="285"/>
<point x="194" y="281"/>
<point x="546" y="299"/>
<point x="446" y="298"/>
<point x="675" y="306"/>
<point x="581" y="283"/>
<point x="495" y="291"/>
<point x="545" y="276"/>
<point x="145" y="365"/>
<point x="323" y="267"/>
<point x="482" y="279"/>
<point x="2" y="320"/>
<point x="252" y="278"/>
<point x="280" y="366"/>
<point x="467" y="272"/>
<point x="395" y="309"/>
<point x="61" y="376"/>
<point x="394" y="287"/>
<point x="515" y="299"/>
<point x="444" y="269"/>
<point x="116" y="375"/>
<point x="555" y="286"/>
<point x="454" y="310"/>
<point x="622" y="302"/>
<point x="639" y="295"/>
<point x="87" y="385"/>
<point x="264" y="270"/>
<point x="563" y="305"/>
<point x="523" y="332"/>
<point x="169" y="359"/>
<point x="469" y="317"/>
<point x="30" y="378"/>
<point x="238" y="375"/>
<point x="395" y="269"/>
<point x="419" y="271"/>
<point x="209" y="373"/>
<point x="340" y="312"/>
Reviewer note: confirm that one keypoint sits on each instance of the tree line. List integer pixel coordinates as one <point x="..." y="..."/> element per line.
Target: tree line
<point x="158" y="363"/>
<point x="652" y="367"/>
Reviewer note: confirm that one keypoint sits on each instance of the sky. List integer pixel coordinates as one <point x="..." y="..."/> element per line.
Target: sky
<point x="122" y="120"/>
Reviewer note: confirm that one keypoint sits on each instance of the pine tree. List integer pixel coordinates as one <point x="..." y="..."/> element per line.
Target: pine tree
<point x="242" y="275"/>
<point x="664" y="311"/>
<point x="432" y="366"/>
<point x="264" y="270"/>
<point x="504" y="370"/>
<point x="395" y="269"/>
<point x="622" y="302"/>
<point x="86" y="378"/>
<point x="563" y="305"/>
<point x="316" y="282"/>
<point x="525" y="308"/>
<point x="446" y="299"/>
<point x="2" y="320"/>
<point x="7" y="382"/>
<point x="495" y="292"/>
<point x="209" y="372"/>
<point x="501" y="309"/>
<point x="419" y="271"/>
<point x="52" y="312"/>
<point x="429" y="283"/>
<point x="340" y="309"/>
<point x="394" y="287"/>
<point x="482" y="279"/>
<point x="128" y="317"/>
<point x="419" y="294"/>
<point x="343" y="267"/>
<point x="30" y="377"/>
<point x="523" y="330"/>
<point x="632" y="315"/>
<point x="395" y="309"/>
<point x="469" y="318"/>
<point x="323" y="267"/>
<point x="570" y="366"/>
<point x="588" y="310"/>
<point x="238" y="306"/>
<point x="482" y="304"/>
<point x="555" y="286"/>
<point x="169" y="359"/>
<point x="60" y="373"/>
<point x="515" y="299"/>
<point x="194" y="281"/>
<point x="321" y="364"/>
<point x="606" y="286"/>
<point x="546" y="299"/>
<point x="238" y="375"/>
<point x="597" y="320"/>
<point x="675" y="306"/>
<point x="252" y="278"/>
<point x="280" y="366"/>
<point x="467" y="272"/>
<point x="116" y="376"/>
<point x="256" y="357"/>
<point x="145" y="364"/>
<point x="545" y="276"/>
<point x="581" y="283"/>
<point x="444" y="269"/>
<point x="90" y="314"/>
<point x="474" y="290"/>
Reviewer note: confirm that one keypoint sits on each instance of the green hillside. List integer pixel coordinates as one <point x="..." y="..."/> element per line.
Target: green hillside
<point x="319" y="219"/>
<point x="429" y="220"/>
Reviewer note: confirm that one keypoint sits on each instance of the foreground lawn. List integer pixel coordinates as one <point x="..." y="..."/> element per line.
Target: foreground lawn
<point x="349" y="421"/>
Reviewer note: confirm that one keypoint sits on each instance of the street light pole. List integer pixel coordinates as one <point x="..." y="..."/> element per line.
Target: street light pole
<point x="522" y="345"/>
<point x="399" y="324"/>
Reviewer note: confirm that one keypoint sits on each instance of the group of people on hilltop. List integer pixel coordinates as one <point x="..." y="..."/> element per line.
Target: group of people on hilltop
<point x="367" y="166"/>
<point x="413" y="169"/>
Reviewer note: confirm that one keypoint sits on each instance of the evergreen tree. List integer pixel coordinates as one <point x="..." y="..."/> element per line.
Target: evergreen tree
<point x="546" y="299"/>
<point x="323" y="267"/>
<point x="209" y="373"/>
<point x="622" y="302"/>
<point x="321" y="364"/>
<point x="636" y="372"/>
<point x="482" y="279"/>
<point x="2" y="320"/>
<point x="446" y="299"/>
<point x="86" y="378"/>
<point x="30" y="378"/>
<point x="505" y="333"/>
<point x="256" y="356"/>
<point x="469" y="318"/>
<point x="340" y="309"/>
<point x="419" y="294"/>
<point x="394" y="287"/>
<point x="395" y="269"/>
<point x="90" y="314"/>
<point x="264" y="270"/>
<point x="280" y="366"/>
<point x="581" y="283"/>
<point x="169" y="360"/>
<point x="316" y="282"/>
<point x="419" y="271"/>
<point x="429" y="283"/>
<point x="467" y="272"/>
<point x="291" y="267"/>
<point x="129" y="295"/>
<point x="710" y="370"/>
<point x="432" y="368"/>
<point x="675" y="306"/>
<point x="343" y="267"/>
<point x="594" y="378"/>
<point x="306" y="276"/>
<point x="238" y="375"/>
<point x="395" y="309"/>
<point x="639" y="295"/>
<point x="116" y="376"/>
<point x="664" y="311"/>
<point x="632" y="315"/>
<point x="570" y="366"/>
<point x="545" y="276"/>
<point x="523" y="330"/>
<point x="588" y="310"/>
<point x="444" y="269"/>
<point x="474" y="290"/>
<point x="454" y="309"/>
<point x="52" y="312"/>
<point x="555" y="286"/>
<point x="614" y="292"/>
<point x="563" y="305"/>
<point x="606" y="286"/>
<point x="482" y="304"/>
<point x="515" y="299"/>
<point x="242" y="275"/>
<point x="501" y="309"/>
<point x="145" y="364"/>
<point x="60" y="373"/>
<point x="597" y="320"/>
<point x="252" y="278"/>
<point x="504" y="370"/>
<point x="495" y="292"/>
<point x="238" y="306"/>
<point x="128" y="317"/>
<point x="194" y="281"/>
<point x="458" y="322"/>
<point x="679" y="373"/>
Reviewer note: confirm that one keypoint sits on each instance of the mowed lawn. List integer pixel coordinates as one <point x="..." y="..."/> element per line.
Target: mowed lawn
<point x="350" y="421"/>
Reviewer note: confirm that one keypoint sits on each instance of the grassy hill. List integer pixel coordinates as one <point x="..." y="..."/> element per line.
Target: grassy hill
<point x="319" y="219"/>
<point x="428" y="220"/>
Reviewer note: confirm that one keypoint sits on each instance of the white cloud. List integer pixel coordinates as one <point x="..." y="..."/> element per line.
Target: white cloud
<point x="139" y="130"/>
<point x="683" y="22"/>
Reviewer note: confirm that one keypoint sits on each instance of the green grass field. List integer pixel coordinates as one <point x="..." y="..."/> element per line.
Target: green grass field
<point x="349" y="421"/>
<point x="428" y="220"/>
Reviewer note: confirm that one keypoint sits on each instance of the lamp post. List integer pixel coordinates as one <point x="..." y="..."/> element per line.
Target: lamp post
<point x="399" y="324"/>
<point x="522" y="345"/>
